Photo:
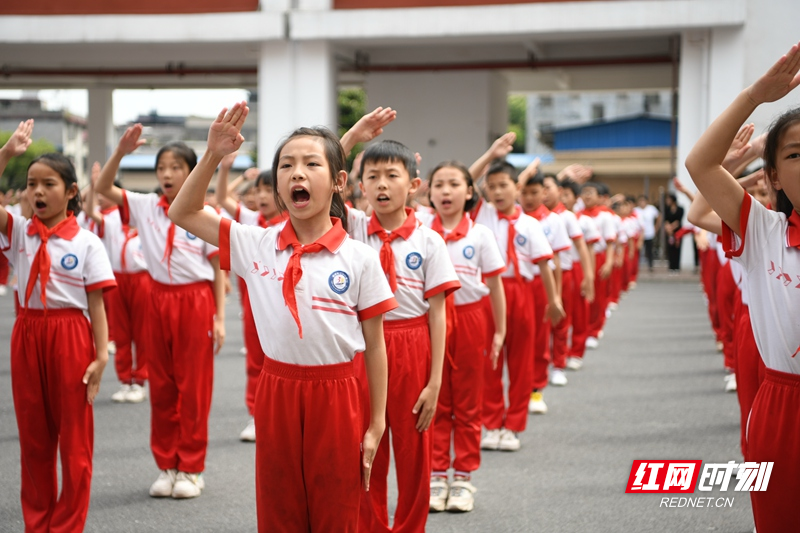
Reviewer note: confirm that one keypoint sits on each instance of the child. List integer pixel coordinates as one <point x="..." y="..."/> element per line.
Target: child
<point x="266" y="216"/>
<point x="478" y="263"/>
<point x="127" y="305"/>
<point x="523" y="243"/>
<point x="420" y="274"/>
<point x="57" y="356"/>
<point x="325" y="305"/>
<point x="765" y="243"/>
<point x="186" y="318"/>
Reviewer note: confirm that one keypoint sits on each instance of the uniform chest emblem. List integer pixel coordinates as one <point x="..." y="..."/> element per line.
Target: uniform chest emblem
<point x="69" y="261"/>
<point x="413" y="260"/>
<point x="469" y="252"/>
<point x="339" y="282"/>
<point x="521" y="240"/>
<point x="190" y="236"/>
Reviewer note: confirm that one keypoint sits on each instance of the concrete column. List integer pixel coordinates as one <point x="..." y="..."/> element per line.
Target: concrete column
<point x="100" y="125"/>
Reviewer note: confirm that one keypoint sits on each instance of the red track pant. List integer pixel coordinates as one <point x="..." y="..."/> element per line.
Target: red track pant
<point x="4" y="270"/>
<point x="579" y="315"/>
<point x="773" y="435"/>
<point x="635" y="265"/>
<point x="181" y="371"/>
<point x="254" y="359"/>
<point x="127" y="308"/>
<point x="709" y="266"/>
<point x="408" y="348"/>
<point x="49" y="355"/>
<point x="541" y="343"/>
<point x="597" y="309"/>
<point x="561" y="330"/>
<point x="726" y="292"/>
<point x="458" y="415"/>
<point x="750" y="367"/>
<point x="518" y="355"/>
<point x="615" y="283"/>
<point x="308" y="466"/>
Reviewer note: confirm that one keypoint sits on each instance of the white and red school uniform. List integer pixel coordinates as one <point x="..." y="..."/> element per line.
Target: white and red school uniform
<point x="475" y="257"/>
<point x="615" y="282"/>
<point x="640" y="231"/>
<point x="769" y="251"/>
<point x="180" y="324"/>
<point x="709" y="267"/>
<point x="632" y="228"/>
<point x="556" y="232"/>
<point x="308" y="302"/>
<point x="580" y="306"/>
<point x="254" y="359"/>
<point x="604" y="221"/>
<point x="417" y="266"/>
<point x="52" y="344"/>
<point x="522" y="243"/>
<point x="726" y="307"/>
<point x="126" y="306"/>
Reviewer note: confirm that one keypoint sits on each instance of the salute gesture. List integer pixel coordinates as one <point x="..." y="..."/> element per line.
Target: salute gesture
<point x="224" y="135"/>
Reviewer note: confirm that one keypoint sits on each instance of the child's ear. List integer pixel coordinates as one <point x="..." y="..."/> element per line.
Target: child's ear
<point x="774" y="181"/>
<point x="415" y="183"/>
<point x="72" y="192"/>
<point x="470" y="192"/>
<point x="340" y="181"/>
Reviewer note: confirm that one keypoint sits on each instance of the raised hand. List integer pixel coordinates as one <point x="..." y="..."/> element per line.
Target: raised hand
<point x="20" y="140"/>
<point x="371" y="125"/>
<point x="503" y="145"/>
<point x="227" y="161"/>
<point x="779" y="80"/>
<point x="224" y="135"/>
<point x="95" y="173"/>
<point x="130" y="140"/>
<point x="739" y="147"/>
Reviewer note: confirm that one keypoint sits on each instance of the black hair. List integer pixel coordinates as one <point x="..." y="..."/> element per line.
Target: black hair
<point x="470" y="202"/>
<point x="671" y="196"/>
<point x="598" y="187"/>
<point x="335" y="156"/>
<point x="181" y="151"/>
<point x="211" y="190"/>
<point x="501" y="166"/>
<point x="575" y="187"/>
<point x="536" y="179"/>
<point x="781" y="124"/>
<point x="388" y="151"/>
<point x="66" y="170"/>
<point x="265" y="178"/>
<point x="630" y="199"/>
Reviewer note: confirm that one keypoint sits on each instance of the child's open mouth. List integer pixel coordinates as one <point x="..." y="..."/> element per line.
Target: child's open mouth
<point x="300" y="196"/>
<point x="382" y="199"/>
<point x="447" y="203"/>
<point x="40" y="204"/>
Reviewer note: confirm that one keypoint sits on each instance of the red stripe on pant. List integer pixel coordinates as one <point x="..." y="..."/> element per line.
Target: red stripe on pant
<point x="772" y="436"/>
<point x="49" y="355"/>
<point x="597" y="309"/>
<point x="561" y="330"/>
<point x="458" y="414"/>
<point x="541" y="343"/>
<point x="408" y="348"/>
<point x="254" y="359"/>
<point x="308" y="457"/>
<point x="580" y="315"/>
<point x="518" y="355"/>
<point x="127" y="307"/>
<point x="750" y="367"/>
<point x="726" y="292"/>
<point x="181" y="371"/>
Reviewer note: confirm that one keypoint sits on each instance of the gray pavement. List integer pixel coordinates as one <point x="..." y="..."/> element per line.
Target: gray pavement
<point x="653" y="390"/>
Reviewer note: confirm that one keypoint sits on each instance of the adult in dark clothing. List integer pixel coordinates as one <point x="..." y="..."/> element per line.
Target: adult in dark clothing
<point x="673" y="217"/>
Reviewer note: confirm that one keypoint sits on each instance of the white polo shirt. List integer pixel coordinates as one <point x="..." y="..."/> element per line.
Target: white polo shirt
<point x="77" y="266"/>
<point x="768" y="252"/>
<point x="189" y="261"/>
<point x="604" y="220"/>
<point x="530" y="243"/>
<point x="113" y="235"/>
<point x="574" y="231"/>
<point x="648" y="216"/>
<point x="475" y="256"/>
<point x="422" y="264"/>
<point x="341" y="286"/>
<point x="555" y="230"/>
<point x="249" y="217"/>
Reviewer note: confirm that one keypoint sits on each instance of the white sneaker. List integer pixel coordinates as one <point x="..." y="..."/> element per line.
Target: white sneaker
<point x="162" y="488"/>
<point x="188" y="485"/>
<point x="121" y="395"/>
<point x="558" y="378"/>
<point x="730" y="383"/>
<point x="248" y="434"/>
<point x="439" y="490"/>
<point x="631" y="285"/>
<point x="601" y="335"/>
<point x="112" y="348"/>
<point x="536" y="405"/>
<point x="719" y="346"/>
<point x="461" y="499"/>
<point x="491" y="440"/>
<point x="613" y="306"/>
<point x="608" y="312"/>
<point x="509" y="442"/>
<point x="243" y="350"/>
<point x="591" y="343"/>
<point x="136" y="394"/>
<point x="3" y="290"/>
<point x="574" y="363"/>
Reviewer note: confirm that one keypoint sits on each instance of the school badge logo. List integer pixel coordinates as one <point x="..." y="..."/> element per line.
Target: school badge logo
<point x="339" y="282"/>
<point x="69" y="261"/>
<point x="413" y="260"/>
<point x="521" y="240"/>
<point x="469" y="252"/>
<point x="190" y="236"/>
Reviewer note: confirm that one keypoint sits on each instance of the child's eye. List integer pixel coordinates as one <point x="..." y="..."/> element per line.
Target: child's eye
<point x="793" y="156"/>
<point x="285" y="165"/>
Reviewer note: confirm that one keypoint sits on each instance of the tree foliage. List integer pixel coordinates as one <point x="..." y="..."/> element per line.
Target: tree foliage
<point x="16" y="173"/>
<point x="352" y="106"/>
<point x="517" y="110"/>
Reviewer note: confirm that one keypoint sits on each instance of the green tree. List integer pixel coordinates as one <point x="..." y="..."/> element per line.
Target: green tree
<point x="352" y="106"/>
<point x="517" y="110"/>
<point x="16" y="173"/>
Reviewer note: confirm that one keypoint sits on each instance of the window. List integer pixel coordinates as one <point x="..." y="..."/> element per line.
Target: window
<point x="598" y="111"/>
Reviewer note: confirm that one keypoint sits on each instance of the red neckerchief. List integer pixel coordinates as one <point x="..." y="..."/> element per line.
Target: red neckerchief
<point x="540" y="213"/>
<point x="511" y="251"/>
<point x="387" y="255"/>
<point x="793" y="230"/>
<point x="162" y="202"/>
<point x="458" y="233"/>
<point x="294" y="270"/>
<point x="129" y="234"/>
<point x="593" y="211"/>
<point x="559" y="208"/>
<point x="277" y="219"/>
<point x="40" y="268"/>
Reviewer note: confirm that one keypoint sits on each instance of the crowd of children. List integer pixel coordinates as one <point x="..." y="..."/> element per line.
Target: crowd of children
<point x="361" y="326"/>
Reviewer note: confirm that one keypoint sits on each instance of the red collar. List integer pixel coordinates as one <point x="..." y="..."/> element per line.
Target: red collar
<point x="405" y="230"/>
<point x="593" y="211"/>
<point x="332" y="240"/>
<point x="109" y="210"/>
<point x="793" y="230"/>
<point x="277" y="219"/>
<point x="540" y="213"/>
<point x="162" y="202"/>
<point x="514" y="216"/>
<point x="459" y="232"/>
<point x="559" y="208"/>
<point x="66" y="229"/>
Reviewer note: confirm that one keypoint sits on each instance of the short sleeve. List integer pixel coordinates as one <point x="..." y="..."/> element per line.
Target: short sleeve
<point x="573" y="227"/>
<point x="374" y="294"/>
<point x="758" y="225"/>
<point x="136" y="206"/>
<point x="98" y="273"/>
<point x="440" y="276"/>
<point x="237" y="244"/>
<point x="590" y="232"/>
<point x="12" y="239"/>
<point x="607" y="228"/>
<point x="559" y="239"/>
<point x="491" y="260"/>
<point x="538" y="247"/>
<point x="357" y="222"/>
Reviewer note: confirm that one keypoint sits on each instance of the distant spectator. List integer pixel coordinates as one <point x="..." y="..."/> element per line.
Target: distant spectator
<point x="651" y="220"/>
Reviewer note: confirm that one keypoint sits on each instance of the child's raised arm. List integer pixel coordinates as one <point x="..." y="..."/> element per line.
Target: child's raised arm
<point x="187" y="210"/>
<point x="704" y="162"/>
<point x="16" y="145"/>
<point x="367" y="128"/>
<point x="129" y="142"/>
<point x="224" y="200"/>
<point x="91" y="196"/>
<point x="498" y="150"/>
